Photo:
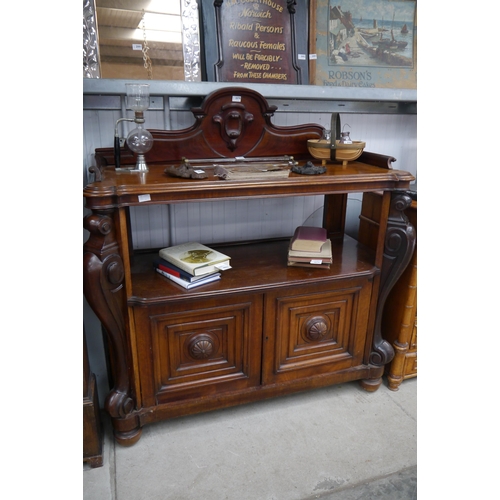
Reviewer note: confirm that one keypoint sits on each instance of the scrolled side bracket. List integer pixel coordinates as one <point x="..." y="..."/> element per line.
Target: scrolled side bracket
<point x="399" y="246"/>
<point x="103" y="286"/>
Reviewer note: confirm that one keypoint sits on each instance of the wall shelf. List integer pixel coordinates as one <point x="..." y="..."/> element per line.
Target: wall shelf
<point x="105" y="94"/>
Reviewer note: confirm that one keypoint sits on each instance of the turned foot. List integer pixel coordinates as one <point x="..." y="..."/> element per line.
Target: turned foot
<point x="128" y="438"/>
<point x="127" y="431"/>
<point x="370" y="384"/>
<point x="393" y="382"/>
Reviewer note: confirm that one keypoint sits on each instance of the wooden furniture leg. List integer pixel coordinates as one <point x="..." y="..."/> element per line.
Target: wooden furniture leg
<point x="399" y="245"/>
<point x="103" y="286"/>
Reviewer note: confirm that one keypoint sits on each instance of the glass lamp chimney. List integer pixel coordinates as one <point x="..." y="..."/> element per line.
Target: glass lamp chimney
<point x="139" y="140"/>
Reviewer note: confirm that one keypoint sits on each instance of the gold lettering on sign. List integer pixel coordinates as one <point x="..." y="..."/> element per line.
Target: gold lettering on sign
<point x="272" y="46"/>
<point x="269" y="3"/>
<point x="255" y="13"/>
<point x="241" y="26"/>
<point x="268" y="29"/>
<point x="258" y="29"/>
<point x="265" y="57"/>
<point x="256" y="66"/>
<point x="243" y="44"/>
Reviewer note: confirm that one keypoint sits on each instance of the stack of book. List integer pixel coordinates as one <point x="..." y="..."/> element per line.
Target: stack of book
<point x="310" y="247"/>
<point x="191" y="264"/>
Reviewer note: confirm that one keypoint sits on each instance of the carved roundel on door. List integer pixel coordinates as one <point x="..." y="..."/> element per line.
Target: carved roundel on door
<point x="202" y="346"/>
<point x="316" y="328"/>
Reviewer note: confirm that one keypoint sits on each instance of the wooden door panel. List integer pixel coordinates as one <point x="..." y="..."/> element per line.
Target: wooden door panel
<point x="204" y="349"/>
<point x="312" y="333"/>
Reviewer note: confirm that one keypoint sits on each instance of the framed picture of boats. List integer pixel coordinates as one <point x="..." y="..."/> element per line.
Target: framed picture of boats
<point x="363" y="43"/>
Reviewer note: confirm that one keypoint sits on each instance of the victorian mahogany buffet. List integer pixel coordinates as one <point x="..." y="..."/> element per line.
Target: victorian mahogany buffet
<point x="264" y="329"/>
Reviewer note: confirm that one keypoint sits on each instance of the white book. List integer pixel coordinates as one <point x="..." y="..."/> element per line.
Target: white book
<point x="190" y="284"/>
<point x="195" y="258"/>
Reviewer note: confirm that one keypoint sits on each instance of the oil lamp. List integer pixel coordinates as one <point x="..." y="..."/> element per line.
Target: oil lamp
<point x="139" y="140"/>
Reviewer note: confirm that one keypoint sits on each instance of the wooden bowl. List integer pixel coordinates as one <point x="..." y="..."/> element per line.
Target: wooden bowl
<point x="320" y="149"/>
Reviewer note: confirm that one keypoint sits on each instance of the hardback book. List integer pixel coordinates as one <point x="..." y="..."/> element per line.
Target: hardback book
<point x="195" y="258"/>
<point x="322" y="257"/>
<point x="325" y="265"/>
<point x="172" y="269"/>
<point x="308" y="239"/>
<point x="190" y="284"/>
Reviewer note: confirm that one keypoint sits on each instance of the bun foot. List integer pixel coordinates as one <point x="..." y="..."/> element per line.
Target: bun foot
<point x="393" y="383"/>
<point x="128" y="438"/>
<point x="370" y="384"/>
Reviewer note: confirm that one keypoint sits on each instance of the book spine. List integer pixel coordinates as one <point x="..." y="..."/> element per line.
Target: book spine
<point x="186" y="284"/>
<point x="310" y="260"/>
<point x="179" y="281"/>
<point x="305" y="264"/>
<point x="171" y="269"/>
<point x="168" y="270"/>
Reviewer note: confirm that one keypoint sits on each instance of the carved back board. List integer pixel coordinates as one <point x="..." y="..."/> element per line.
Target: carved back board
<point x="230" y="122"/>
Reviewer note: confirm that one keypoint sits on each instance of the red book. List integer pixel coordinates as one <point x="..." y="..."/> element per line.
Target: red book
<point x="167" y="267"/>
<point x="308" y="239"/>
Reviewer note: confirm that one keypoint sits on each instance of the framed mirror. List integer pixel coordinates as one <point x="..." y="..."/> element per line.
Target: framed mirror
<point x="141" y="39"/>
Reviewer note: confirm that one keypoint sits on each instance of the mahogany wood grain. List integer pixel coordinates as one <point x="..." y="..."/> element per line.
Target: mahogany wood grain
<point x="231" y="122"/>
<point x="257" y="267"/>
<point x="264" y="329"/>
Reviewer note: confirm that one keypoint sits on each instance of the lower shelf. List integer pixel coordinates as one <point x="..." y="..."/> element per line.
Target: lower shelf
<point x="257" y="266"/>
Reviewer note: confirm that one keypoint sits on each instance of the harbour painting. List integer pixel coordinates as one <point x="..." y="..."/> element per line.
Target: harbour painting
<point x="364" y="43"/>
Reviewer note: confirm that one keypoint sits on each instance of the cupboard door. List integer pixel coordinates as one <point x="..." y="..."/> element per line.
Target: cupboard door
<point x="202" y="348"/>
<point x="314" y="330"/>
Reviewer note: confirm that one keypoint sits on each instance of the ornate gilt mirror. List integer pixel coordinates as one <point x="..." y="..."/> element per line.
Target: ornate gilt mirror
<point x="141" y="39"/>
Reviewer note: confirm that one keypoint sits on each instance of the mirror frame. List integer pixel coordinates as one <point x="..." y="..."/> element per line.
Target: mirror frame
<point x="191" y="46"/>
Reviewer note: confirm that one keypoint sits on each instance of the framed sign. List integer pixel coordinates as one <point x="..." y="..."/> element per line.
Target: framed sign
<point x="364" y="43"/>
<point x="256" y="41"/>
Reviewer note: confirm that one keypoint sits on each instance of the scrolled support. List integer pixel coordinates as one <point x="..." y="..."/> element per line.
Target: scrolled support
<point x="103" y="286"/>
<point x="398" y="249"/>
